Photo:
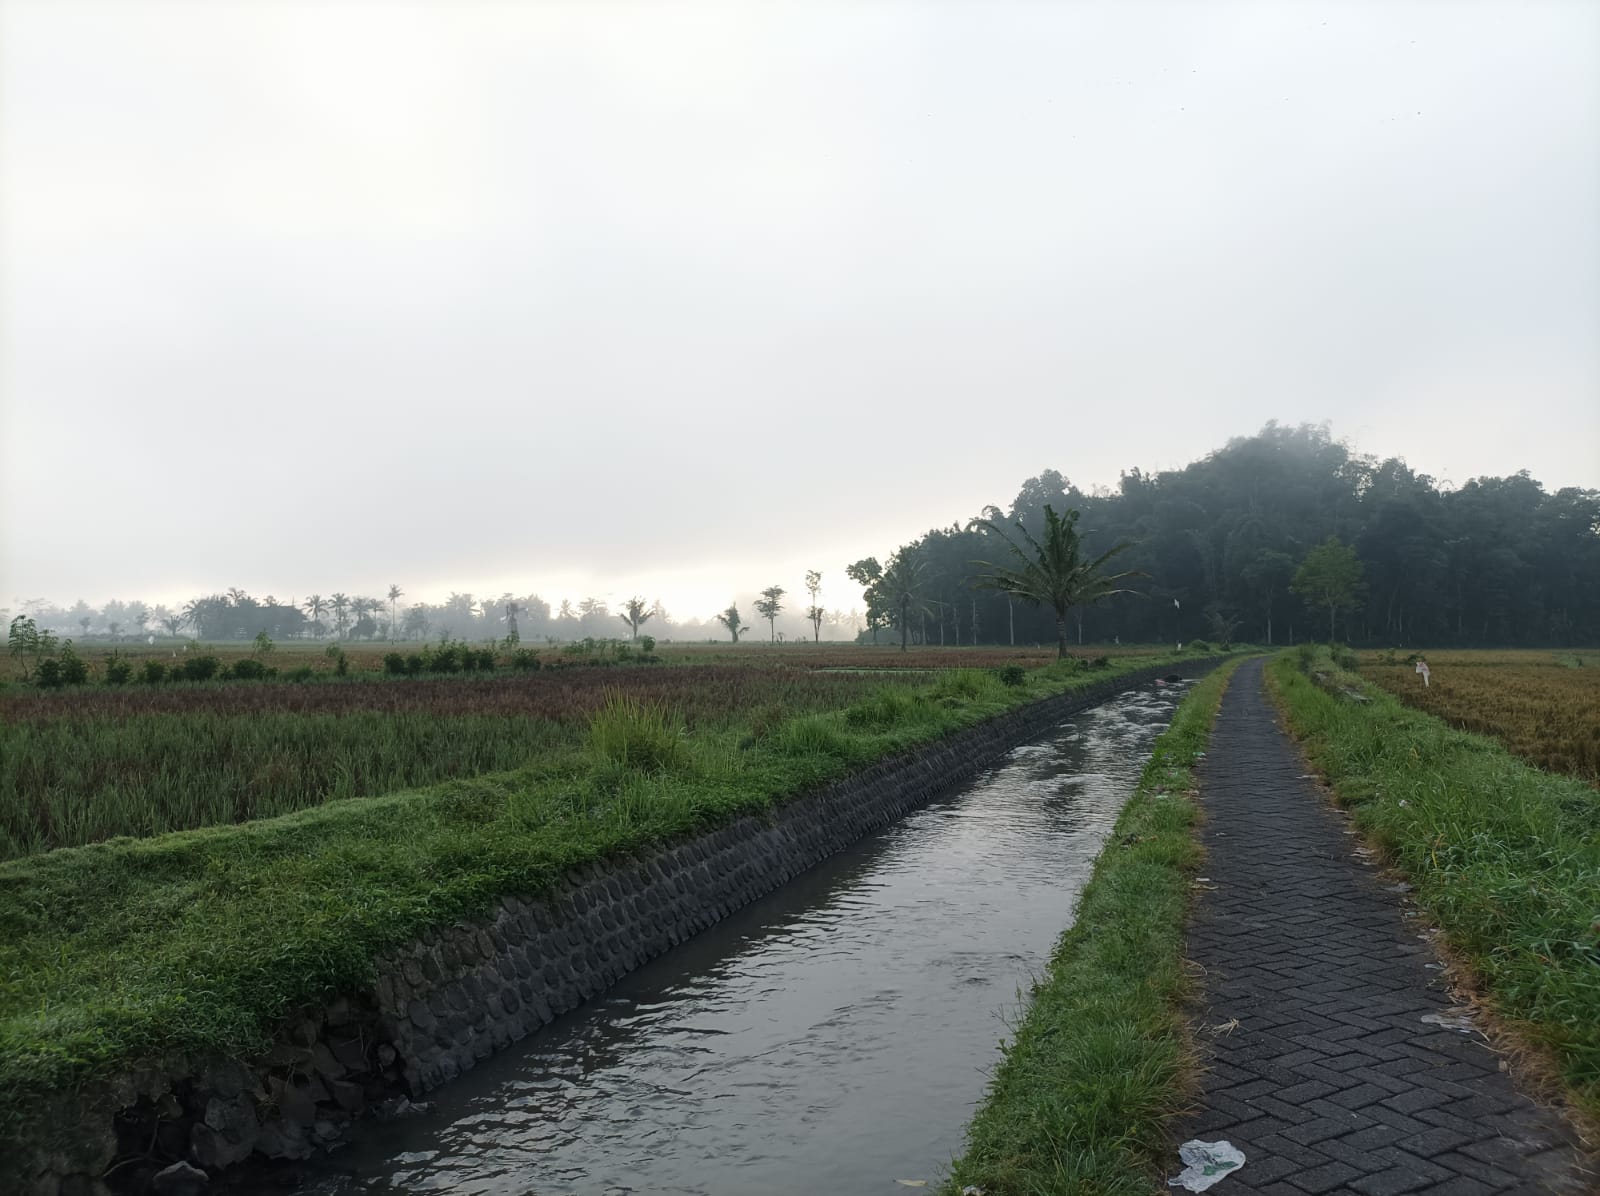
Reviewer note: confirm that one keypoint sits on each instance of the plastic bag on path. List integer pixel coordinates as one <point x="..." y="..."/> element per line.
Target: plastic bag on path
<point x="1206" y="1163"/>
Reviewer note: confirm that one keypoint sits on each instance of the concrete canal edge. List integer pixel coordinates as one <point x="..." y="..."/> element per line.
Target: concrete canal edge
<point x="463" y="992"/>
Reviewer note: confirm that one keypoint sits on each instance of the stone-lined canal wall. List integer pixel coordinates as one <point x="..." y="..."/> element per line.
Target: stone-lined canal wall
<point x="463" y="992"/>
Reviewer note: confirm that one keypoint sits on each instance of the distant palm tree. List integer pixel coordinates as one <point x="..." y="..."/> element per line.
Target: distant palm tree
<point x="733" y="621"/>
<point x="1053" y="571"/>
<point x="635" y="614"/>
<point x="395" y="594"/>
<point x="363" y="608"/>
<point x="903" y="587"/>
<point x="341" y="613"/>
<point x="314" y="606"/>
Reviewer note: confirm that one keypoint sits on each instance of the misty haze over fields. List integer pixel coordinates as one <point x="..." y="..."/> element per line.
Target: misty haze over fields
<point x="594" y="301"/>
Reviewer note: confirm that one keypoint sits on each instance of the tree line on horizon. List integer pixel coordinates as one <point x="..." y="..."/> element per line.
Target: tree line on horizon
<point x="1276" y="537"/>
<point x="1281" y="536"/>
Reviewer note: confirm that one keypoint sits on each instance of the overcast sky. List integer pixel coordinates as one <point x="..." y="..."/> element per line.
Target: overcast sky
<point x="686" y="299"/>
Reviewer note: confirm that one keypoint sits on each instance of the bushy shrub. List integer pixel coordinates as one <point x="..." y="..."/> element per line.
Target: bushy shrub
<point x="200" y="667"/>
<point x="1100" y="662"/>
<point x="304" y="673"/>
<point x="1201" y="647"/>
<point x="153" y="673"/>
<point x="647" y="644"/>
<point x="48" y="674"/>
<point x="416" y="663"/>
<point x="248" y="669"/>
<point x="394" y="665"/>
<point x="526" y="659"/>
<point x="487" y="660"/>
<point x="118" y="671"/>
<point x="74" y="671"/>
<point x="1012" y="674"/>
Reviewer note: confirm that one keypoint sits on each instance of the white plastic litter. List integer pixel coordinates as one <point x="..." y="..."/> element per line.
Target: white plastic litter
<point x="1451" y="1019"/>
<point x="1205" y="1163"/>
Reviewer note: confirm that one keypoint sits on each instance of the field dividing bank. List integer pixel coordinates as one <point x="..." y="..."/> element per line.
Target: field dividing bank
<point x="200" y="943"/>
<point x="1099" y="1061"/>
<point x="1543" y="706"/>
<point x="1505" y="858"/>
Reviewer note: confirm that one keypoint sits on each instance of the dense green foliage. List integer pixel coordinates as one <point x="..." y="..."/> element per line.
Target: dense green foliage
<point x="1506" y="858"/>
<point x="1080" y="1099"/>
<point x="1495" y="561"/>
<point x="201" y="941"/>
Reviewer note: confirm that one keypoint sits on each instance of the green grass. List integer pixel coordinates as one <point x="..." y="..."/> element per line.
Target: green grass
<point x="120" y="954"/>
<point x="1098" y="1062"/>
<point x="1505" y="857"/>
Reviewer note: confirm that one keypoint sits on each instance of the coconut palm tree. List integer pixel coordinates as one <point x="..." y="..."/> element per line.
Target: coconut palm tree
<point x="1052" y="571"/>
<point x="635" y="614"/>
<point x="733" y="621"/>
<point x="341" y="613"/>
<point x="395" y="594"/>
<point x="902" y="589"/>
<point x="314" y="606"/>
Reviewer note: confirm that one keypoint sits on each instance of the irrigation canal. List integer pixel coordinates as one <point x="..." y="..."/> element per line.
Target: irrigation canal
<point x="833" y="1037"/>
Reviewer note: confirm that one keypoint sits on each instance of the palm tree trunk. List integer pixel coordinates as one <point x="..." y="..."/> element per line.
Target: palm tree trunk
<point x="1061" y="637"/>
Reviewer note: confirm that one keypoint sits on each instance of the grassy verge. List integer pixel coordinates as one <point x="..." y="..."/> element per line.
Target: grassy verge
<point x="123" y="953"/>
<point x="1505" y="858"/>
<point x="1079" y="1101"/>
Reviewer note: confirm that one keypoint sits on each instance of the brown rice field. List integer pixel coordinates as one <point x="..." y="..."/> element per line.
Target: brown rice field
<point x="1542" y="705"/>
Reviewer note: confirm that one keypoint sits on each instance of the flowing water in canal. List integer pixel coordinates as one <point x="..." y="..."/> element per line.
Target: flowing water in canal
<point x="830" y="1038"/>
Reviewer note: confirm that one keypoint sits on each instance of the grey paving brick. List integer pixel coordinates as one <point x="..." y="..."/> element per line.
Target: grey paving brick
<point x="1332" y="1082"/>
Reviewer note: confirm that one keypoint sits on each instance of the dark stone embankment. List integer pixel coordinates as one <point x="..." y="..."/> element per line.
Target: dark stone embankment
<point x="463" y="992"/>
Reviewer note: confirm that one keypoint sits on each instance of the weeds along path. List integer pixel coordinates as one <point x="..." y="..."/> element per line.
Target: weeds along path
<point x="1323" y="1063"/>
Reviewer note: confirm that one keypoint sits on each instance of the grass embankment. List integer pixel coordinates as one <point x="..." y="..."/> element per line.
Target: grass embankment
<point x="1081" y="1096"/>
<point x="1504" y="857"/>
<point x="200" y="942"/>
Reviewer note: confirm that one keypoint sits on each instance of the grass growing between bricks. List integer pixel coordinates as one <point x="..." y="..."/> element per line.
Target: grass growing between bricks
<point x="1503" y="856"/>
<point x="126" y="953"/>
<point x="1080" y="1100"/>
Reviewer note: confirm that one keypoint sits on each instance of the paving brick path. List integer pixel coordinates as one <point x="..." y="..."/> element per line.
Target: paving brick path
<point x="1331" y="1082"/>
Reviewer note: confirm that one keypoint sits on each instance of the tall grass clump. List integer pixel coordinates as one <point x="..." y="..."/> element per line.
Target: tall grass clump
<point x="637" y="735"/>
<point x="883" y="710"/>
<point x="1505" y="857"/>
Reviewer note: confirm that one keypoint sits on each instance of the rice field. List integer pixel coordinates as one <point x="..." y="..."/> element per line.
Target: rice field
<point x="82" y="765"/>
<point x="1544" y="706"/>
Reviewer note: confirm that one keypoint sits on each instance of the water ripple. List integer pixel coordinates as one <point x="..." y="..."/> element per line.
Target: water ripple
<point x="832" y="1037"/>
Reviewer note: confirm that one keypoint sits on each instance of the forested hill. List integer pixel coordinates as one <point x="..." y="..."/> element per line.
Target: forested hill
<point x="1497" y="561"/>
